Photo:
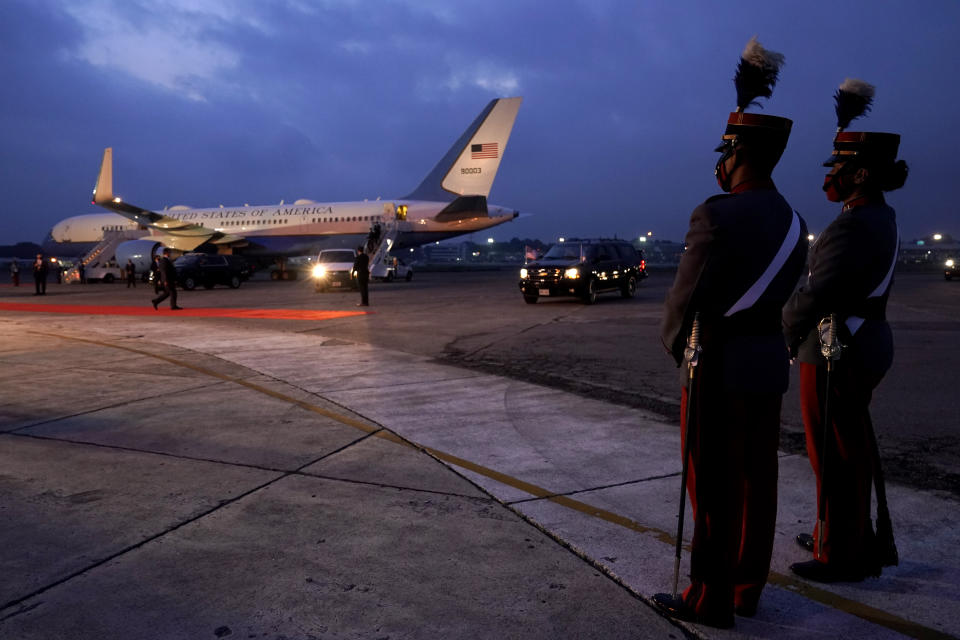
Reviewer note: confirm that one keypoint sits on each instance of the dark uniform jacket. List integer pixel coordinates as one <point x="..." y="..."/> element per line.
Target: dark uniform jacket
<point x="732" y="242"/>
<point x="40" y="269"/>
<point x="848" y="262"/>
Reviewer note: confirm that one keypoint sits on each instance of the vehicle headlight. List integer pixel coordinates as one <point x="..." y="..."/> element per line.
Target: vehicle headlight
<point x="523" y="274"/>
<point x="573" y="273"/>
<point x="950" y="263"/>
<point x="319" y="271"/>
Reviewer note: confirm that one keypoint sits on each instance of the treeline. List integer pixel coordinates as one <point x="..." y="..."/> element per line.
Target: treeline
<point x="19" y="250"/>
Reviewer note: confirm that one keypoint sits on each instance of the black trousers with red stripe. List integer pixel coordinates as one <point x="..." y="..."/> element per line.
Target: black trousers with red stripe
<point x="847" y="464"/>
<point x="732" y="484"/>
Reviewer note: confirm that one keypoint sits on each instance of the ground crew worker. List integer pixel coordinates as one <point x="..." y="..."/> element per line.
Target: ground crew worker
<point x="851" y="273"/>
<point x="15" y="272"/>
<point x="361" y="270"/>
<point x="131" y="271"/>
<point x="745" y="253"/>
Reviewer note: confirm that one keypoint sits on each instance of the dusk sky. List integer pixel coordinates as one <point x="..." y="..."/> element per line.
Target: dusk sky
<point x="231" y="102"/>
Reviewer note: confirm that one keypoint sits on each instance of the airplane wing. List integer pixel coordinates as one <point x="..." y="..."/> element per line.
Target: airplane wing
<point x="177" y="234"/>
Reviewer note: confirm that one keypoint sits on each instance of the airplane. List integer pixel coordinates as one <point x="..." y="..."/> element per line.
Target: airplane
<point x="450" y="201"/>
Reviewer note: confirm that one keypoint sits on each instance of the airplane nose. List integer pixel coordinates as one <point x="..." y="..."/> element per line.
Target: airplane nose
<point x="60" y="232"/>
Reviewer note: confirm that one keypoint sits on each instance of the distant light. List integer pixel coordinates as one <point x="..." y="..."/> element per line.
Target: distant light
<point x="436" y="243"/>
<point x="810" y="237"/>
<point x="643" y="238"/>
<point x="920" y="243"/>
<point x="560" y="239"/>
<point x="489" y="240"/>
<point x="649" y="233"/>
<point x="937" y="236"/>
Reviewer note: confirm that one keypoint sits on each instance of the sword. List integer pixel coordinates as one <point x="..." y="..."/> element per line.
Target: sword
<point x="830" y="349"/>
<point x="692" y="355"/>
<point x="886" y="545"/>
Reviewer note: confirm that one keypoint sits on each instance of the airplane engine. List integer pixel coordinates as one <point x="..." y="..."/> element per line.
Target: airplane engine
<point x="141" y="252"/>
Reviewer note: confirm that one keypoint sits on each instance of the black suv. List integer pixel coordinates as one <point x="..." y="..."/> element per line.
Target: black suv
<point x="584" y="268"/>
<point x="210" y="269"/>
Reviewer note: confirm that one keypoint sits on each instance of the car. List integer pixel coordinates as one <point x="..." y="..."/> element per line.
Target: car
<point x="584" y="268"/>
<point x="333" y="269"/>
<point x="397" y="269"/>
<point x="951" y="268"/>
<point x="209" y="270"/>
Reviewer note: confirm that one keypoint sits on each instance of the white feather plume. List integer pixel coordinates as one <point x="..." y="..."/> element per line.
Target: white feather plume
<point x="858" y="87"/>
<point x="755" y="54"/>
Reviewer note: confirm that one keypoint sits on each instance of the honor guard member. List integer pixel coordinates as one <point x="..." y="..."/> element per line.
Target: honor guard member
<point x="745" y="253"/>
<point x="851" y="272"/>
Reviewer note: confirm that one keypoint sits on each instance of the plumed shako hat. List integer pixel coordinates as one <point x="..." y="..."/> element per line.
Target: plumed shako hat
<point x="756" y="76"/>
<point x="853" y="99"/>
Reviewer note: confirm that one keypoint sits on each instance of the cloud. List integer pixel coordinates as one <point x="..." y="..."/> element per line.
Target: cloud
<point x="173" y="44"/>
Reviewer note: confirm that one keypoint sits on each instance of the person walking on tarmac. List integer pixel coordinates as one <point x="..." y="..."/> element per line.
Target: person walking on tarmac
<point x="361" y="269"/>
<point x="168" y="276"/>
<point x="851" y="273"/>
<point x="131" y="272"/>
<point x="745" y="253"/>
<point x="40" y="275"/>
<point x="15" y="272"/>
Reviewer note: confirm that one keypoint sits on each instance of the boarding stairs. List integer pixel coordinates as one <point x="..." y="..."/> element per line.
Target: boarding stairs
<point x="382" y="264"/>
<point x="103" y="252"/>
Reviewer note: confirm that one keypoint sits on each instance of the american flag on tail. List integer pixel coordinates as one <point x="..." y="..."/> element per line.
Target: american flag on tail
<point x="484" y="150"/>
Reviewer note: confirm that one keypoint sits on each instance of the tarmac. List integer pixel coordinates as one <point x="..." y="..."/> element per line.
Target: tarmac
<point x="164" y="477"/>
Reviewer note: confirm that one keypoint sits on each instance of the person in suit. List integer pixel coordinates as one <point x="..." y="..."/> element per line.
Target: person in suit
<point x="361" y="268"/>
<point x="745" y="253"/>
<point x="168" y="277"/>
<point x="40" y="269"/>
<point x="851" y="274"/>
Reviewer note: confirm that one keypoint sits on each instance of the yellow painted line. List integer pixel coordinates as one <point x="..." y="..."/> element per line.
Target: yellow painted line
<point x="805" y="589"/>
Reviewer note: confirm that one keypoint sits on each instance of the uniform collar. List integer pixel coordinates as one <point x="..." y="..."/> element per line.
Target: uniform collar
<point x="754" y="184"/>
<point x="862" y="201"/>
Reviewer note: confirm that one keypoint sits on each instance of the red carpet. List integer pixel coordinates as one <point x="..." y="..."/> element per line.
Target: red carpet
<point x="147" y="310"/>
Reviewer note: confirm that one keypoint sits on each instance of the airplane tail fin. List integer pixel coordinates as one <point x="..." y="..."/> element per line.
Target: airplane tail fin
<point x="471" y="164"/>
<point x="103" y="190"/>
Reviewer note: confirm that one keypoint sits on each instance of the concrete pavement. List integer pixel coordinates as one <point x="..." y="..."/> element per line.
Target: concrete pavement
<point x="246" y="481"/>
